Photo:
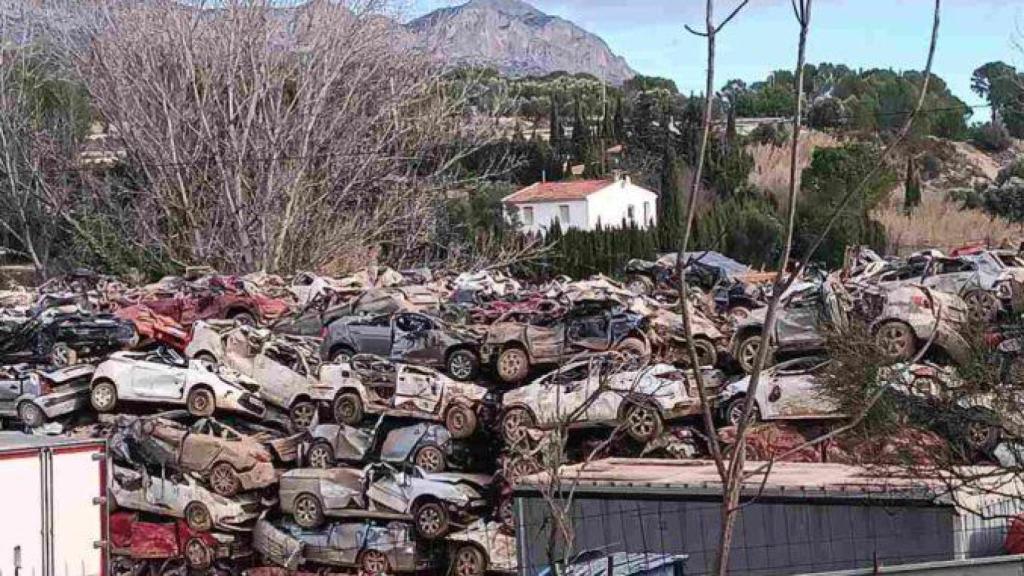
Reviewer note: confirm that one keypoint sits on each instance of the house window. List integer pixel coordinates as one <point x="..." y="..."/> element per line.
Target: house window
<point x="631" y="212"/>
<point x="528" y="215"/>
<point x="647" y="212"/>
<point x="563" y="213"/>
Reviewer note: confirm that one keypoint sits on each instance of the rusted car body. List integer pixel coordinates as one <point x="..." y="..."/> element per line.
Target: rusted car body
<point x="426" y="445"/>
<point x="481" y="548"/>
<point x="35" y="396"/>
<point x="282" y="444"/>
<point x="434" y="502"/>
<point x="144" y="540"/>
<point x="516" y="344"/>
<point x="787" y="391"/>
<point x="404" y="337"/>
<point x="598" y="391"/>
<point x="215" y="297"/>
<point x="181" y="496"/>
<point x="287" y="369"/>
<point x="373" y="547"/>
<point x="229" y="463"/>
<point x="395" y="389"/>
<point x="155" y="328"/>
<point x="162" y="376"/>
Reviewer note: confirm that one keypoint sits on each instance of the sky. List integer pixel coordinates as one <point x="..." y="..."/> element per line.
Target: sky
<point x="858" y="33"/>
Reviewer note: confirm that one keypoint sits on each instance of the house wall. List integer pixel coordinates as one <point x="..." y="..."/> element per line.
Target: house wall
<point x="544" y="213"/>
<point x="771" y="537"/>
<point x="610" y="205"/>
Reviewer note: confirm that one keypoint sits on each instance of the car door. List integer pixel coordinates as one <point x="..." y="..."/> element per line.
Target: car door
<point x="951" y="276"/>
<point x="10" y="389"/>
<point x="158" y="381"/>
<point x="372" y="335"/>
<point x="605" y="388"/>
<point x="798" y="326"/>
<point x="345" y="541"/>
<point x="411" y="338"/>
<point x="562" y="394"/>
<point x="792" y="391"/>
<point x="417" y="388"/>
<point x="389" y="488"/>
<point x="279" y="383"/>
<point x="590" y="331"/>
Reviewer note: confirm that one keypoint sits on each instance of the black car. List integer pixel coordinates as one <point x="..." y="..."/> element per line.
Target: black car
<point x="60" y="335"/>
<point x="704" y="269"/>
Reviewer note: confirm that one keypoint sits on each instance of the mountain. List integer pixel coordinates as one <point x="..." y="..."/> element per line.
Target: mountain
<point x="517" y="39"/>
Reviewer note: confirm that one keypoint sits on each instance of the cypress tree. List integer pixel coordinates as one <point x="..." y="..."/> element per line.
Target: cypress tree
<point x="670" y="201"/>
<point x="618" y="122"/>
<point x="912" y="197"/>
<point x="555" y="125"/>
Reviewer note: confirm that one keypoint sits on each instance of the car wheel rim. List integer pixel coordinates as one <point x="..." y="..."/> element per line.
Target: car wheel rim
<point x="429" y="459"/>
<point x="61" y="354"/>
<point x="468" y="563"/>
<point x="506" y="513"/>
<point x="102" y="396"/>
<point x="223" y="480"/>
<point x="198" y="517"/>
<point x="318" y="457"/>
<point x="461" y="367"/>
<point x="200" y="403"/>
<point x="457" y="420"/>
<point x="641" y="422"/>
<point x="303" y="414"/>
<point x="346" y="410"/>
<point x="375" y="562"/>
<point x="196" y="553"/>
<point x="430" y="521"/>
<point x="977" y="434"/>
<point x="305" y="510"/>
<point x="513" y="425"/>
<point x="750" y="354"/>
<point x="343" y="358"/>
<point x="31" y="415"/>
<point x="511" y="364"/>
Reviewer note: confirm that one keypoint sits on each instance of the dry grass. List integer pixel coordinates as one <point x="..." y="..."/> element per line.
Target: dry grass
<point x="771" y="163"/>
<point x="937" y="223"/>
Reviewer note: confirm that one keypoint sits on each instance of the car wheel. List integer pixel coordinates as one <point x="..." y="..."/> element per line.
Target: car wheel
<point x="640" y="285"/>
<point x="746" y="353"/>
<point x="643" y="422"/>
<point x="513" y="365"/>
<point x="223" y="480"/>
<point x="734" y="411"/>
<point x="198" y="517"/>
<point x="244" y="318"/>
<point x="206" y="357"/>
<point x="307" y="511"/>
<point x="635" y="350"/>
<point x="31" y="415"/>
<point x="522" y="467"/>
<point x="469" y="561"/>
<point x="463" y="365"/>
<point x="896" y="340"/>
<point x="341" y="355"/>
<point x="739" y="313"/>
<point x="302" y="414"/>
<point x="62" y="355"/>
<point x="321" y="455"/>
<point x="198" y="554"/>
<point x="979" y="433"/>
<point x="104" y="396"/>
<point x="460" y="421"/>
<point x="373" y="562"/>
<point x="983" y="306"/>
<point x="506" y="512"/>
<point x="348" y="409"/>
<point x="200" y="402"/>
<point x="514" y="424"/>
<point x="431" y="520"/>
<point x="430" y="458"/>
<point x="706" y="353"/>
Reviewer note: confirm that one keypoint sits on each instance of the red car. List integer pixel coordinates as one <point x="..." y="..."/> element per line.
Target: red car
<point x="170" y="539"/>
<point x="153" y="327"/>
<point x="223" y="299"/>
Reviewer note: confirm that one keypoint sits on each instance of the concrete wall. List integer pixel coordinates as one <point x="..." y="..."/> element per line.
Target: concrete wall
<point x="610" y="205"/>
<point x="544" y="213"/>
<point x="772" y="537"/>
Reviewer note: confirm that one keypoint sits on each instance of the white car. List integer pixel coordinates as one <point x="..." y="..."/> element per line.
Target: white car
<point x="598" y="391"/>
<point x="786" y="391"/>
<point x="181" y="496"/>
<point x="483" y="547"/>
<point x="164" y="377"/>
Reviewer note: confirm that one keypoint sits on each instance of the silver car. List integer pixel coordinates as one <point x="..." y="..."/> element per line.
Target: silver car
<point x="373" y="547"/>
<point x="433" y="501"/>
<point x="426" y="445"/>
<point x="787" y="391"/>
<point x="35" y="396"/>
<point x="483" y="547"/>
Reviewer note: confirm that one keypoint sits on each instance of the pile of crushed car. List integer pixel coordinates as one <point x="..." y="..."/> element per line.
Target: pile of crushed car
<point x="376" y="422"/>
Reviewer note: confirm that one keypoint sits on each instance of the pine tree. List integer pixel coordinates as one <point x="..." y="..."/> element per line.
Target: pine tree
<point x="912" y="196"/>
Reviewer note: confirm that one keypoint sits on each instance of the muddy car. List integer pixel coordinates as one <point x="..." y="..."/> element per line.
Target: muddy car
<point x="428" y="446"/>
<point x="787" y="391"/>
<point x="668" y="337"/>
<point x="601" y="392"/>
<point x="140" y="539"/>
<point x="380" y="386"/>
<point x="287" y="369"/>
<point x="163" y="376"/>
<point x="222" y="299"/>
<point x="63" y="335"/>
<point x="481" y="548"/>
<point x="434" y="502"/>
<point x="516" y="344"/>
<point x="405" y="337"/>
<point x="229" y="463"/>
<point x="179" y="495"/>
<point x="282" y="444"/>
<point x="35" y="396"/>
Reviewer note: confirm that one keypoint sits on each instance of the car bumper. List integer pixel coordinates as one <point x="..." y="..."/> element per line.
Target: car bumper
<point x="64" y="401"/>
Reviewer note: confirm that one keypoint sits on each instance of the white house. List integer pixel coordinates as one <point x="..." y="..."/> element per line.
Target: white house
<point x="582" y="204"/>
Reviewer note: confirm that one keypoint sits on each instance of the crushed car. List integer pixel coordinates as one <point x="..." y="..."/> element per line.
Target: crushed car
<point x="137" y="538"/>
<point x="483" y="547"/>
<point x="282" y="443"/>
<point x="434" y="502"/>
<point x="36" y="395"/>
<point x="163" y="376"/>
<point x="426" y="445"/>
<point x="404" y="337"/>
<point x="64" y="334"/>
<point x="789" y="390"/>
<point x="600" y="391"/>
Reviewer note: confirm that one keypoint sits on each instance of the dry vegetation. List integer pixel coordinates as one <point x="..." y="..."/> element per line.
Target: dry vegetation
<point x="771" y="163"/>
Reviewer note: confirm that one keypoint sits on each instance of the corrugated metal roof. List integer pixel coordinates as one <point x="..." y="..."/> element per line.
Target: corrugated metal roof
<point x="21" y="441"/>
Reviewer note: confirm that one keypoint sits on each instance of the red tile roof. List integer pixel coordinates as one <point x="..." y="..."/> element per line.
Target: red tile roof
<point x="552" y="191"/>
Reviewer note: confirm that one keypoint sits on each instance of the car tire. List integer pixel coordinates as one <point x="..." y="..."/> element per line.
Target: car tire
<point x="507" y="512"/>
<point x="746" y="353"/>
<point x="62" y="355"/>
<point x="302" y="414"/>
<point x="103" y="396"/>
<point x="243" y="318"/>
<point x="734" y="411"/>
<point x="197" y="516"/>
<point x="983" y="306"/>
<point x="896" y="340"/>
<point x="980" y="435"/>
<point x="514" y="424"/>
<point x="643" y="422"/>
<point x="460" y="421"/>
<point x="341" y="355"/>
<point x="348" y="409"/>
<point x="198" y="555"/>
<point x="469" y="561"/>
<point x="224" y="480"/>
<point x="513" y="365"/>
<point x="31" y="415"/>
<point x="321" y="455"/>
<point x="636" y="348"/>
<point x="739" y="313"/>
<point x="373" y="562"/>
<point x="706" y="353"/>
<point x="640" y="285"/>
<point x="462" y="365"/>
<point x="431" y="520"/>
<point x="430" y="458"/>
<point x="307" y="511"/>
<point x="200" y="402"/>
<point x="522" y="467"/>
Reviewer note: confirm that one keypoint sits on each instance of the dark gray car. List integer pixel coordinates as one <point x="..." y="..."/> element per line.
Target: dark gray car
<point x="407" y="337"/>
<point x="426" y="445"/>
<point x="36" y="395"/>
